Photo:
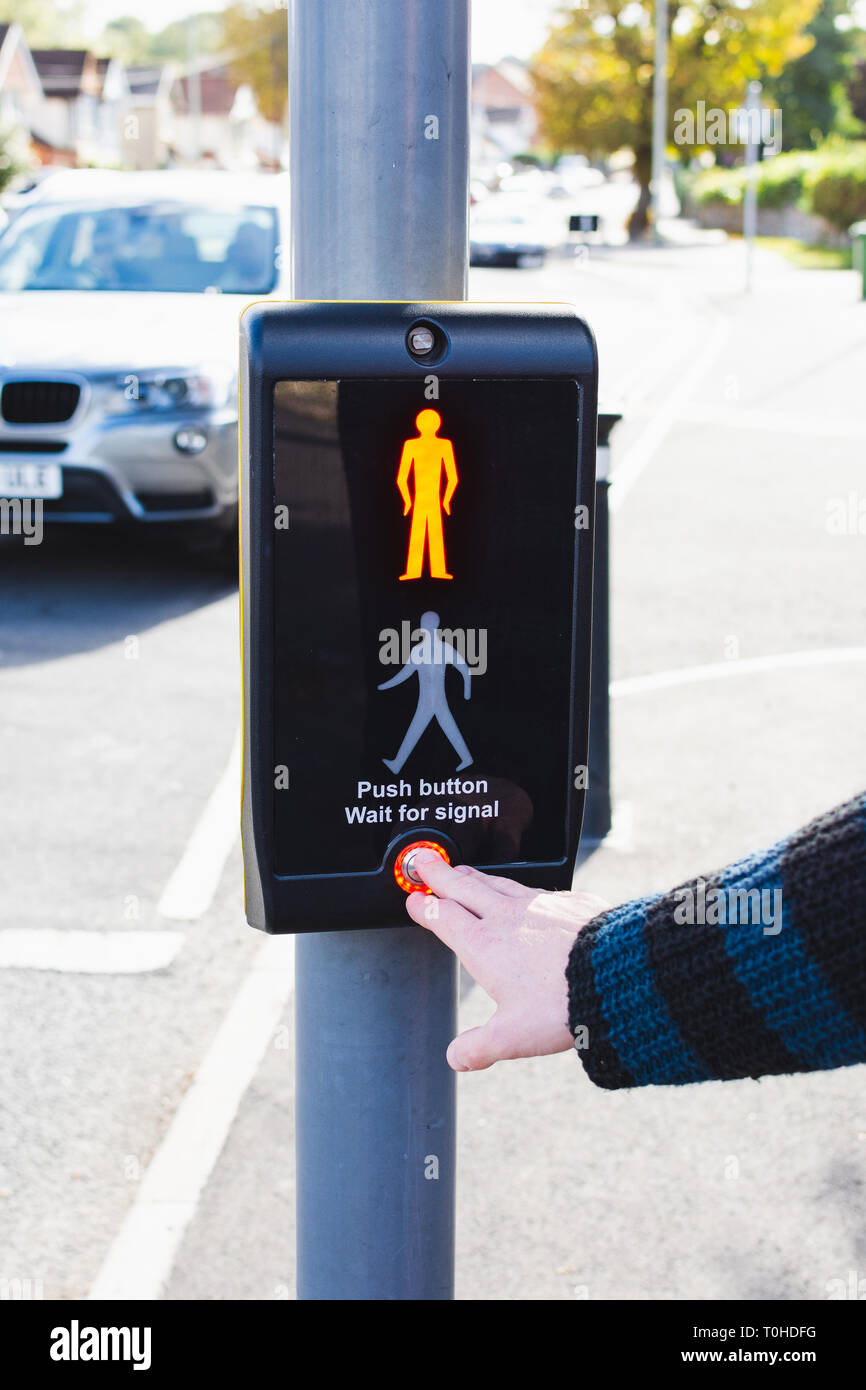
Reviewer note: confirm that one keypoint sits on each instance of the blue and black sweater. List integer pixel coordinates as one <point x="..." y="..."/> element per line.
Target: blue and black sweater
<point x="756" y="970"/>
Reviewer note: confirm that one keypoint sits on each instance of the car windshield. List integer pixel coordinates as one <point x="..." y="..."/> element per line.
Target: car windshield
<point x="166" y="247"/>
<point x="503" y="219"/>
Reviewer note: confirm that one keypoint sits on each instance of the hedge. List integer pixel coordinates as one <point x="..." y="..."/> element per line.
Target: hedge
<point x="830" y="182"/>
<point x="836" y="189"/>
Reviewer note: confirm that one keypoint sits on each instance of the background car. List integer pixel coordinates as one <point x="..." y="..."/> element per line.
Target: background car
<point x="120" y="295"/>
<point x="507" y="231"/>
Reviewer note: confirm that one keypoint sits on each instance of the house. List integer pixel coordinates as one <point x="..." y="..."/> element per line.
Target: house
<point x="67" y="106"/>
<point x="85" y="103"/>
<point x="149" y="128"/>
<point x="21" y="96"/>
<point x="113" y="112"/>
<point x="71" y="83"/>
<point x="503" y="121"/>
<point x="217" y="121"/>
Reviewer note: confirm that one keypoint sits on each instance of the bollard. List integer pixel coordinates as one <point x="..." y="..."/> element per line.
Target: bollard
<point x="857" y="233"/>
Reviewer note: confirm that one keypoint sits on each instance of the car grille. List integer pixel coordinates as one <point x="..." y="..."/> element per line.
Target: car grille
<point x="38" y="402"/>
<point x="200" y="500"/>
<point x="86" y="494"/>
<point x="32" y="446"/>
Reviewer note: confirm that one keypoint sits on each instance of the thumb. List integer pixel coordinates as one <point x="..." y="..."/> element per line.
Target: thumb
<point x="478" y="1048"/>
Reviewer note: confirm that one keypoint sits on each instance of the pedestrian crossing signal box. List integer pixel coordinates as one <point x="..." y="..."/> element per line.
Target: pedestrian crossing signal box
<point x="416" y="545"/>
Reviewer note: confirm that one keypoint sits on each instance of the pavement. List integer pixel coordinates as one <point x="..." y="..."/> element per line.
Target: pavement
<point x="147" y="1144"/>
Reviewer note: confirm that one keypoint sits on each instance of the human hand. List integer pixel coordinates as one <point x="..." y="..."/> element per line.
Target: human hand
<point x="515" y="942"/>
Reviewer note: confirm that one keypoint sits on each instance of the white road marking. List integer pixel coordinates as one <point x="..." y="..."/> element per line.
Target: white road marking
<point x="191" y="888"/>
<point x="141" y="1258"/>
<point x="749" y="666"/>
<point x="642" y="452"/>
<point x="88" y="952"/>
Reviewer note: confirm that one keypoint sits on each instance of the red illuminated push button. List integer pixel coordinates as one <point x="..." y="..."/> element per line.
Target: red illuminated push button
<point x="404" y="872"/>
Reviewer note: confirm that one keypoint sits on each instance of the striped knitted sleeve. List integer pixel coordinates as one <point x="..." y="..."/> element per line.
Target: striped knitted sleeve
<point x="753" y="971"/>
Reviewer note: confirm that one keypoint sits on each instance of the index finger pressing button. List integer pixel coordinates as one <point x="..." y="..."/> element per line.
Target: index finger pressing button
<point x="406" y="874"/>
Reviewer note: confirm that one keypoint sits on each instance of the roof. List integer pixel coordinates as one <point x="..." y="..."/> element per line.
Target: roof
<point x="500" y="85"/>
<point x="218" y="92"/>
<point x="144" y="81"/>
<point x="65" y="72"/>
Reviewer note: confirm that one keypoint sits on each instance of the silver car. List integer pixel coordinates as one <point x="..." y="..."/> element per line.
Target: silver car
<point x="120" y="295"/>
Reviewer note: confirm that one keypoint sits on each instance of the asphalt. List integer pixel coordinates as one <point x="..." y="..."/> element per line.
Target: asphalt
<point x="118" y="684"/>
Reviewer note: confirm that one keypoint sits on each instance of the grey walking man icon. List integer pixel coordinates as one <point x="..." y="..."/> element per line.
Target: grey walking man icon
<point x="429" y="660"/>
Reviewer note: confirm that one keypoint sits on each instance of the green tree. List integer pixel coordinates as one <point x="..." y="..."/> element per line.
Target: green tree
<point x="857" y="92"/>
<point x="204" y="31"/>
<point x="47" y="26"/>
<point x="812" y="91"/>
<point x="10" y="161"/>
<point x="257" y="39"/>
<point x="127" y="38"/>
<point x="594" y="76"/>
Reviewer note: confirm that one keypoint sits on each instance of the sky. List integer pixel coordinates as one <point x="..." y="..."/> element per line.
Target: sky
<point x="499" y="27"/>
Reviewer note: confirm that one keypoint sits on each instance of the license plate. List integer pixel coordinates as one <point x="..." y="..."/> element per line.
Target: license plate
<point x="31" y="480"/>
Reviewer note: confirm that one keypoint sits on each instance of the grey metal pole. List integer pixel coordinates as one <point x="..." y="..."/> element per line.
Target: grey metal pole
<point x="379" y="138"/>
<point x="379" y="132"/>
<point x="660" y="108"/>
<point x="750" y="192"/>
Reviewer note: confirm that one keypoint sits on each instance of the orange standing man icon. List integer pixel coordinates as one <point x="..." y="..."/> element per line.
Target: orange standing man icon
<point x="424" y="458"/>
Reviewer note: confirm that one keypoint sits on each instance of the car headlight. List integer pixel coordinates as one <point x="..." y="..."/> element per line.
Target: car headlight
<point x="172" y="390"/>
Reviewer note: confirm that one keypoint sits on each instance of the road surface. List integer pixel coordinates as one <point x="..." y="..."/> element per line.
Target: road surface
<point x="146" y="1148"/>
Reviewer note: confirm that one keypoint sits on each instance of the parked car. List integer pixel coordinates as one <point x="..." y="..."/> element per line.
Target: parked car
<point x="573" y="173"/>
<point x="507" y="232"/>
<point x="120" y="295"/>
<point x="22" y="189"/>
